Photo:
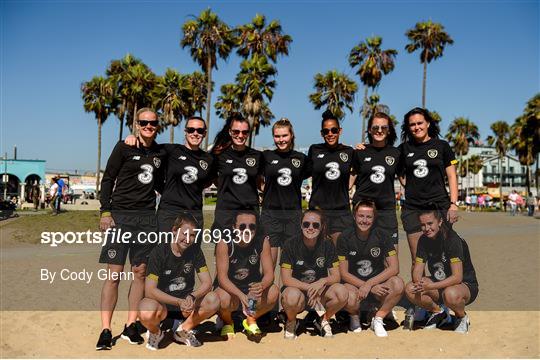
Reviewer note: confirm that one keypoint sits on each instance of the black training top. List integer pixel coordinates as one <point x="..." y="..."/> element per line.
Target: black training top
<point x="187" y="174"/>
<point x="366" y="257"/>
<point x="134" y="174"/>
<point x="237" y="179"/>
<point x="439" y="253"/>
<point x="376" y="169"/>
<point x="425" y="172"/>
<point x="283" y="176"/>
<point x="330" y="170"/>
<point x="175" y="275"/>
<point x="308" y="265"/>
<point x="245" y="263"/>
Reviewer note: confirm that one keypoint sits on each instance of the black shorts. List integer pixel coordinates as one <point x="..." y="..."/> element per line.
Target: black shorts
<point x="338" y="220"/>
<point x="280" y="226"/>
<point x="473" y="289"/>
<point x="387" y="221"/>
<point x="115" y="252"/>
<point x="173" y="319"/>
<point x="411" y="223"/>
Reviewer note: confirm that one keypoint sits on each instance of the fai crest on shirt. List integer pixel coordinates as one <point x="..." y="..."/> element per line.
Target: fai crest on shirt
<point x="344" y="157"/>
<point x="188" y="267"/>
<point x="251" y="162"/>
<point x="157" y="162"/>
<point x="296" y="163"/>
<point x="375" y="252"/>
<point x="203" y="164"/>
<point x="253" y="259"/>
<point x="390" y="160"/>
<point x="111" y="253"/>
<point x="320" y="262"/>
<point x="432" y="153"/>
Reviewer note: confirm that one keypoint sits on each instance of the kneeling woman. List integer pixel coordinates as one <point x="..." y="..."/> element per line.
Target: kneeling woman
<point x="310" y="274"/>
<point x="453" y="279"/>
<point x="169" y="287"/>
<point x="369" y="266"/>
<point x="239" y="261"/>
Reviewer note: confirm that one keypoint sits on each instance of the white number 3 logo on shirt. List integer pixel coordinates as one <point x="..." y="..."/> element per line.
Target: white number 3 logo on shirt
<point x="191" y="176"/>
<point x="421" y="169"/>
<point x="240" y="177"/>
<point x="333" y="171"/>
<point x="378" y="176"/>
<point x="285" y="178"/>
<point x="146" y="176"/>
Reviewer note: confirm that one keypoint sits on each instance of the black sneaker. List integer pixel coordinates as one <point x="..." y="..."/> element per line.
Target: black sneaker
<point x="435" y="319"/>
<point x="311" y="319"/>
<point x="140" y="327"/>
<point x="105" y="340"/>
<point x="131" y="334"/>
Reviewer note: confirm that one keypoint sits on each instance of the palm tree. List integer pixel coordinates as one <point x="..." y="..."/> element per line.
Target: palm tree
<point x="168" y="97"/>
<point x="372" y="63"/>
<point x="256" y="38"/>
<point x="118" y="73"/>
<point x="500" y="139"/>
<point x="431" y="38"/>
<point x="532" y="116"/>
<point x="374" y="106"/>
<point x="97" y="95"/>
<point x="195" y="85"/>
<point x="334" y="90"/>
<point x="461" y="133"/>
<point x="436" y="116"/>
<point x="140" y="82"/>
<point x="229" y="101"/>
<point x="522" y="142"/>
<point x="256" y="83"/>
<point x="207" y="37"/>
<point x="475" y="164"/>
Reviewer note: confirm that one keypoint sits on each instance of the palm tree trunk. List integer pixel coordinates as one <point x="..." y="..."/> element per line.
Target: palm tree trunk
<point x="536" y="174"/>
<point x="364" y="112"/>
<point x="171" y="138"/>
<point x="424" y="83"/>
<point x="208" y="99"/>
<point x="121" y="129"/>
<point x="501" y="183"/>
<point x="133" y="127"/>
<point x="98" y="172"/>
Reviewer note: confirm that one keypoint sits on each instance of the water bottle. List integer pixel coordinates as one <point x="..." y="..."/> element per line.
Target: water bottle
<point x="252" y="304"/>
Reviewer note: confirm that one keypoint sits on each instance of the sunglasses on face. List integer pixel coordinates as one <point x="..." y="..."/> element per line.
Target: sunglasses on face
<point x="251" y="227"/>
<point x="236" y="132"/>
<point x="315" y="225"/>
<point x="377" y="128"/>
<point x="144" y="123"/>
<point x="191" y="130"/>
<point x="333" y="130"/>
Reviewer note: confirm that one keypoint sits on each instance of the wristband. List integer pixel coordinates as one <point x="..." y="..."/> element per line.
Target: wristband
<point x="192" y="296"/>
<point x="106" y="214"/>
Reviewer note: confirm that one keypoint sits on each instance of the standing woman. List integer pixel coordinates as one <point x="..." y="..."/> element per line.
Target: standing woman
<point x="128" y="202"/>
<point x="330" y="168"/>
<point x="427" y="162"/>
<point x="188" y="171"/>
<point x="453" y="278"/>
<point x="284" y="171"/>
<point x="238" y="167"/>
<point x="375" y="167"/>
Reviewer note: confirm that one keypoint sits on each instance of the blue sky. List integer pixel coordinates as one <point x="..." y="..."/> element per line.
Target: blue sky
<point x="48" y="48"/>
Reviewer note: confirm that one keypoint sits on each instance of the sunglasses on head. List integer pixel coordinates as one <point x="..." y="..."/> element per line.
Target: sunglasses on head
<point x="376" y="128"/>
<point x="333" y="130"/>
<point x="315" y="225"/>
<point x="251" y="227"/>
<point x="144" y="123"/>
<point x="236" y="132"/>
<point x="191" y="130"/>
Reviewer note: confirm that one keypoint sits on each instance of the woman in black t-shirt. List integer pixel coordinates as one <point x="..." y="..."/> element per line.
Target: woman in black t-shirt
<point x="239" y="280"/>
<point x="427" y="162"/>
<point x="310" y="275"/>
<point x="452" y="279"/>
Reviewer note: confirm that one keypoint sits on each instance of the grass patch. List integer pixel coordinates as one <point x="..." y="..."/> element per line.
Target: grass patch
<point x="28" y="229"/>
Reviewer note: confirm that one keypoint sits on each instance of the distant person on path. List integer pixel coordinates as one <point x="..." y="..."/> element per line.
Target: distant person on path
<point x="468" y="203"/>
<point x="59" y="193"/>
<point x="531" y="202"/>
<point x="53" y="191"/>
<point x="481" y="202"/>
<point x="512" y="201"/>
<point x="474" y="201"/>
<point x="452" y="278"/>
<point x="35" y="194"/>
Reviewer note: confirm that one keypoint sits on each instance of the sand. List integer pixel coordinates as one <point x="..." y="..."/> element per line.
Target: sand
<point x="62" y="319"/>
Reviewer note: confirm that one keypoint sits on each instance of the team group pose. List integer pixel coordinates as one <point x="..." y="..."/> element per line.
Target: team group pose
<point x="331" y="258"/>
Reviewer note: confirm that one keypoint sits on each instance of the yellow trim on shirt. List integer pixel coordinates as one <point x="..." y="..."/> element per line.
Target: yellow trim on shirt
<point x="455" y="260"/>
<point x="335" y="264"/>
<point x="419" y="260"/>
<point x="286" y="266"/>
<point x="341" y="258"/>
<point x="392" y="253"/>
<point x="153" y="277"/>
<point x="453" y="162"/>
<point x="203" y="269"/>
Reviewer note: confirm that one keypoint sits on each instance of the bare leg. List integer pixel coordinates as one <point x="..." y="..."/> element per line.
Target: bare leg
<point x="109" y="296"/>
<point x="204" y="308"/>
<point x="455" y="297"/>
<point x="136" y="292"/>
<point x="427" y="300"/>
<point x="293" y="301"/>
<point x="395" y="283"/>
<point x="151" y="313"/>
<point x="228" y="303"/>
<point x="335" y="298"/>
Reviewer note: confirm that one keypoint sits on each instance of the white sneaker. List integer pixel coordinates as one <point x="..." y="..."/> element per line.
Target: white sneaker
<point x="186" y="337"/>
<point x="326" y="329"/>
<point x="377" y="326"/>
<point x="462" y="325"/>
<point x="154" y="340"/>
<point x="290" y="330"/>
<point x="354" y="323"/>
